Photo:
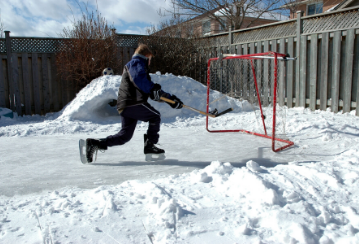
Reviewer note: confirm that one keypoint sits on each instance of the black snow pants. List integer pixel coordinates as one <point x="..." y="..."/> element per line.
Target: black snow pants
<point x="129" y="117"/>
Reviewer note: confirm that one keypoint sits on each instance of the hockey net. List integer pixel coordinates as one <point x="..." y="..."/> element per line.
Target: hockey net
<point x="253" y="81"/>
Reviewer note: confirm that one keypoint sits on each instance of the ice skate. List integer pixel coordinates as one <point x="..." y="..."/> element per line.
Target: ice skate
<point x="152" y="152"/>
<point x="90" y="146"/>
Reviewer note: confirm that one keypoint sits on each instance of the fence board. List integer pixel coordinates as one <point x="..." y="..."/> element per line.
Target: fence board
<point x="252" y="49"/>
<point x="64" y="86"/>
<point x="313" y="71"/>
<point x="2" y="85"/>
<point x="45" y="83"/>
<point x="239" y="49"/>
<point x="233" y="49"/>
<point x="31" y="86"/>
<point x="290" y="73"/>
<point x="16" y="87"/>
<point x="21" y="82"/>
<point x="336" y="71"/>
<point x="36" y="83"/>
<point x="348" y="73"/>
<point x="266" y="77"/>
<point x="26" y="82"/>
<point x="54" y="85"/>
<point x="6" y="82"/>
<point x="274" y="48"/>
<point x="324" y="71"/>
<point x="132" y="51"/>
<point x="303" y="71"/>
<point x="126" y="55"/>
<point x="282" y="73"/>
<point x="259" y="72"/>
<point x="245" y="75"/>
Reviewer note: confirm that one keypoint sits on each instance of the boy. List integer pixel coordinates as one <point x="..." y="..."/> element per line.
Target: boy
<point x="136" y="86"/>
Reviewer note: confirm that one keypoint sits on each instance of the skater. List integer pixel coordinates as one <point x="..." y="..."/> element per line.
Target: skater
<point x="136" y="86"/>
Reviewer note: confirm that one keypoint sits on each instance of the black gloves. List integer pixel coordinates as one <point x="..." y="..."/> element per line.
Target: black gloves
<point x="156" y="93"/>
<point x="178" y="103"/>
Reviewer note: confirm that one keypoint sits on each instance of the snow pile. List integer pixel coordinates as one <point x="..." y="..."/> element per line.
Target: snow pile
<point x="295" y="203"/>
<point x="91" y="103"/>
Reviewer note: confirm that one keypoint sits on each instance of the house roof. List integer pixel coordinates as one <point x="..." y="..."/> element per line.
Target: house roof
<point x="341" y="5"/>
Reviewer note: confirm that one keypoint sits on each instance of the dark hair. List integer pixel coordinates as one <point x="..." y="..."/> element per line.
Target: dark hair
<point x="144" y="50"/>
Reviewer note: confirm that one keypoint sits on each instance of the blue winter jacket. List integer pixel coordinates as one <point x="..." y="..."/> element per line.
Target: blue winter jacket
<point x="136" y="83"/>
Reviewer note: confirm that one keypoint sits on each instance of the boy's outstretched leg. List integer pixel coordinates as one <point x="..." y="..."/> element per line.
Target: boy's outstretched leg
<point x="152" y="152"/>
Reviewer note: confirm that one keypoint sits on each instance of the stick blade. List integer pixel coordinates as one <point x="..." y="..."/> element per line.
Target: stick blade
<point x="224" y="112"/>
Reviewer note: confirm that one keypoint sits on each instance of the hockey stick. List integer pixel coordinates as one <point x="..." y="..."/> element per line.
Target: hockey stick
<point x="212" y="115"/>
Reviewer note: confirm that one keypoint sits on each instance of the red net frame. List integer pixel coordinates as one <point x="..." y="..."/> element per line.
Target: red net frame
<point x="251" y="57"/>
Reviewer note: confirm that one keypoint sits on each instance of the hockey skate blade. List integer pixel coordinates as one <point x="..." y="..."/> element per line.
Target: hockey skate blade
<point x="82" y="147"/>
<point x="152" y="157"/>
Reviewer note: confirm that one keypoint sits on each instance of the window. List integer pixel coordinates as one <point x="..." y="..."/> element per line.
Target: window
<point x="315" y="8"/>
<point x="206" y="27"/>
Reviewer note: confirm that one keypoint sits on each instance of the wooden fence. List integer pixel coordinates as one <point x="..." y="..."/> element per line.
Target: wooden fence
<point x="325" y="74"/>
<point x="35" y="87"/>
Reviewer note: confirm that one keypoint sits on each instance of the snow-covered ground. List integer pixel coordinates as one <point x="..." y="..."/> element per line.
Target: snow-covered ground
<point x="212" y="187"/>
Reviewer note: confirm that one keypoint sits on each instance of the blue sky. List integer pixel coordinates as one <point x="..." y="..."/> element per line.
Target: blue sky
<point x="48" y="18"/>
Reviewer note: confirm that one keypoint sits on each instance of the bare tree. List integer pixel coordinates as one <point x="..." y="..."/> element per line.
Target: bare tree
<point x="233" y="12"/>
<point x="176" y="47"/>
<point x="88" y="48"/>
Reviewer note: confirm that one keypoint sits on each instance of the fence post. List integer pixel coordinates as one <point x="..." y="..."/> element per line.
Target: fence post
<point x="337" y="40"/>
<point x="297" y="75"/>
<point x="9" y="69"/>
<point x="13" y="76"/>
<point x="220" y="55"/>
<point x="230" y="36"/>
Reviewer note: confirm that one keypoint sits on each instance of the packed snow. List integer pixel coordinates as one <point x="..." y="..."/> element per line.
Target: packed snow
<point x="211" y="188"/>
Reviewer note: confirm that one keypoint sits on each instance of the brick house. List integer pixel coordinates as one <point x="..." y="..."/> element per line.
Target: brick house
<point x="310" y="7"/>
<point x="204" y="25"/>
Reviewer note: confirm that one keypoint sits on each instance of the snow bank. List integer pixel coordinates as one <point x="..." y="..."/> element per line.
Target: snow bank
<point x="295" y="203"/>
<point x="91" y="103"/>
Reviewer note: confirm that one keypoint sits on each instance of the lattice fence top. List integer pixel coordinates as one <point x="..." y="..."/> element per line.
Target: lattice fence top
<point x="129" y="40"/>
<point x="2" y="46"/>
<point x="221" y="40"/>
<point x="35" y="45"/>
<point x="335" y="21"/>
<point x="53" y="45"/>
<point x="268" y="32"/>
